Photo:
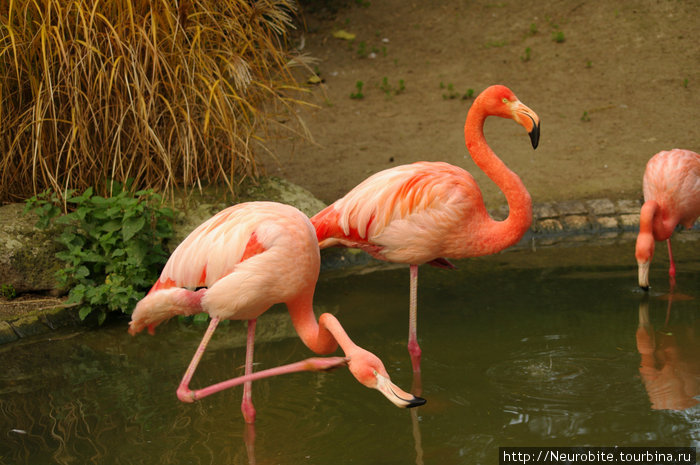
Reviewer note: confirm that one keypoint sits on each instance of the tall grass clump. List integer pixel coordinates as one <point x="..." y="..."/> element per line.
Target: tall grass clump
<point x="152" y="93"/>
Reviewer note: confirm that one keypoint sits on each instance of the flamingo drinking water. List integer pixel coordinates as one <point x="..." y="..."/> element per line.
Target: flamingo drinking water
<point x="671" y="187"/>
<point x="426" y="211"/>
<point x="245" y="259"/>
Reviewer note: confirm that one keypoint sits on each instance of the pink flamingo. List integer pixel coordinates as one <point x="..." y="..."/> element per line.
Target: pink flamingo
<point x="425" y="211"/>
<point x="671" y="197"/>
<point x="245" y="259"/>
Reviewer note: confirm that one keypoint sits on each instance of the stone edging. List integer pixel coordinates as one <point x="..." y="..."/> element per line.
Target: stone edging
<point x="39" y="321"/>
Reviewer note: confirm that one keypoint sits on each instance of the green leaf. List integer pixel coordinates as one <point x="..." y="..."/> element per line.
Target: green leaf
<point x="111" y="226"/>
<point x="84" y="312"/>
<point x="81" y="272"/>
<point x="131" y="226"/>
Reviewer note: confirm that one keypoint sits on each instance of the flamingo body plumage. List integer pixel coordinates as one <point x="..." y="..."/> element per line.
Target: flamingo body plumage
<point x="426" y="212"/>
<point x="238" y="264"/>
<point x="671" y="186"/>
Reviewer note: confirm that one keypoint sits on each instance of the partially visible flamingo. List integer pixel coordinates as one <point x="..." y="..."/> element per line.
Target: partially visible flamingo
<point x="425" y="211"/>
<point x="245" y="259"/>
<point x="671" y="187"/>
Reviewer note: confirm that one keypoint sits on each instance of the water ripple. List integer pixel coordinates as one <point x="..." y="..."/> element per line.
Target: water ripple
<point x="545" y="374"/>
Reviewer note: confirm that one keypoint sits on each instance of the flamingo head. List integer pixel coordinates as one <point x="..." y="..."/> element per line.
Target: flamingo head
<point x="369" y="370"/>
<point x="501" y="101"/>
<point x="644" y="250"/>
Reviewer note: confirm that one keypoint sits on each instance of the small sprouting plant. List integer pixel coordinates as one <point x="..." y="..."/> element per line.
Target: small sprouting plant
<point x="358" y="95"/>
<point x="685" y="83"/>
<point x="533" y="29"/>
<point x="113" y="248"/>
<point x="585" y="118"/>
<point x="558" y="37"/>
<point x="402" y="86"/>
<point x="589" y="64"/>
<point x="362" y="49"/>
<point x="385" y="86"/>
<point x="451" y="92"/>
<point x="8" y="291"/>
<point x="526" y="57"/>
<point x="389" y="90"/>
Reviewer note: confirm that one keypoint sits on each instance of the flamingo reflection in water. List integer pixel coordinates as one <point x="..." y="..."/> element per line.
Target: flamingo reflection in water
<point x="670" y="359"/>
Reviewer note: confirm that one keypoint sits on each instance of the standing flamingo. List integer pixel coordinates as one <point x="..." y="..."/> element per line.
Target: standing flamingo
<point x="245" y="259"/>
<point x="425" y="211"/>
<point x="671" y="187"/>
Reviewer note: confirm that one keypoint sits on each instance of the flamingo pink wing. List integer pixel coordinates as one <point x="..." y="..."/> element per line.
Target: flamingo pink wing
<point x="417" y="203"/>
<point x="213" y="249"/>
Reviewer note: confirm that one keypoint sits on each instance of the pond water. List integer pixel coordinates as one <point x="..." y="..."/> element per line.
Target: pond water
<point x="553" y="346"/>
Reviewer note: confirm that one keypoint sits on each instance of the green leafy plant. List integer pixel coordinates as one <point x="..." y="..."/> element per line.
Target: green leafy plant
<point x="358" y="95"/>
<point x="558" y="37"/>
<point x="585" y="118"/>
<point x="528" y="53"/>
<point x="113" y="246"/>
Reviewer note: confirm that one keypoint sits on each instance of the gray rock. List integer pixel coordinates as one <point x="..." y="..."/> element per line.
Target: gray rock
<point x="28" y="260"/>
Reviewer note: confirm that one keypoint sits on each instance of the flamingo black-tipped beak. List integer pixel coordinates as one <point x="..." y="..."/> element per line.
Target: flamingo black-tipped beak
<point x="396" y="395"/>
<point x="535" y="134"/>
<point x="416" y="402"/>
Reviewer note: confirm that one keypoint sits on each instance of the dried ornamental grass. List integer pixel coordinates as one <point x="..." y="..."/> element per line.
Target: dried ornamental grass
<point x="167" y="93"/>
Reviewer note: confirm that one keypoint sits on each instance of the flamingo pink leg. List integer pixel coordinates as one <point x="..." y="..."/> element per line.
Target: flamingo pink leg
<point x="672" y="265"/>
<point x="247" y="404"/>
<point x="183" y="391"/>
<point x="413" y="347"/>
<point x="310" y="364"/>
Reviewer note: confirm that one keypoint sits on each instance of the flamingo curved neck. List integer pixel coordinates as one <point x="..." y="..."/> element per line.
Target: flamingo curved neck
<point x="322" y="337"/>
<point x="652" y="221"/>
<point x="499" y="234"/>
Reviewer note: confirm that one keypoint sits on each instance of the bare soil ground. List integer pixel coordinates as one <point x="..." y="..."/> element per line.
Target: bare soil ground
<point x="613" y="83"/>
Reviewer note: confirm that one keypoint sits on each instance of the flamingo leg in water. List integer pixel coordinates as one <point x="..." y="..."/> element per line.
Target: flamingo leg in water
<point x="247" y="404"/>
<point x="249" y="440"/>
<point x="671" y="264"/>
<point x="413" y="347"/>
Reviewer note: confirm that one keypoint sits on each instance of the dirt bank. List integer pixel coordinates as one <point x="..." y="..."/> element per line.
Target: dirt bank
<point x="612" y="83"/>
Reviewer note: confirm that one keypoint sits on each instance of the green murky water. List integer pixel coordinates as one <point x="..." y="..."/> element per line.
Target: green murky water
<point x="524" y="348"/>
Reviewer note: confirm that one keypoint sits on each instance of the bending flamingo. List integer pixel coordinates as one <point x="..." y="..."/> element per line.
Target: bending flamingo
<point x="247" y="258"/>
<point x="671" y="187"/>
<point x="425" y="211"/>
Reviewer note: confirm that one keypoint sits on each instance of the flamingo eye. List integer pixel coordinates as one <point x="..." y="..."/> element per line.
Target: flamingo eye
<point x="505" y="100"/>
